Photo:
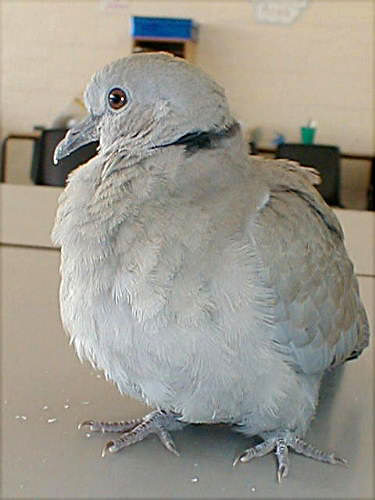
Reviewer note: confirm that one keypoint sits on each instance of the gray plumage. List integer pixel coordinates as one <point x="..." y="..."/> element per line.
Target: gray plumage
<point x="209" y="284"/>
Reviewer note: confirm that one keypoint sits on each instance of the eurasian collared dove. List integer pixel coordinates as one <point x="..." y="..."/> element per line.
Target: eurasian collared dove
<point x="211" y="285"/>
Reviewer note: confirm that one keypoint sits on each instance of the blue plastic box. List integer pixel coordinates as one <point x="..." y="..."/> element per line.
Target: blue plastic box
<point x="163" y="28"/>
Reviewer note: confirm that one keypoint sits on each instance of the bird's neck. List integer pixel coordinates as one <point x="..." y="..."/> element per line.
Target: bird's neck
<point x="112" y="188"/>
<point x="100" y="196"/>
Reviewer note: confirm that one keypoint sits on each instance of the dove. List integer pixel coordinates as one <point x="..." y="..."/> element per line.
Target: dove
<point x="211" y="285"/>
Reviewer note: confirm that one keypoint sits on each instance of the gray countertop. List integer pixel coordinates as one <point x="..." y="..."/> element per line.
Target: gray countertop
<point x="46" y="392"/>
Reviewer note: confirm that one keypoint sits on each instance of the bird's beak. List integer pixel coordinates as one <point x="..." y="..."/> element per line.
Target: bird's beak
<point x="79" y="135"/>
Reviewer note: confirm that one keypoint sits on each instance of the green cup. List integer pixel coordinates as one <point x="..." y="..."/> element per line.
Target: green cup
<point x="308" y="135"/>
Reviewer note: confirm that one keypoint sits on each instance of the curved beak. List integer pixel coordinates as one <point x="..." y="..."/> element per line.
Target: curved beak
<point x="81" y="134"/>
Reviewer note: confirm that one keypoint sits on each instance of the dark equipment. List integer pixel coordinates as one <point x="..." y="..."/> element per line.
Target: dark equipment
<point x="43" y="170"/>
<point x="325" y="159"/>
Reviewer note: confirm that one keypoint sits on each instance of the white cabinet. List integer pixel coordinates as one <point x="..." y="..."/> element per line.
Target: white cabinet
<point x="27" y="214"/>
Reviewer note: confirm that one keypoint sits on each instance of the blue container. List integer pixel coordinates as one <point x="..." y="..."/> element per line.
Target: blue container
<point x="163" y="28"/>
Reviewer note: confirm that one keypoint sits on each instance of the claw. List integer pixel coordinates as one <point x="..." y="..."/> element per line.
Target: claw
<point x="107" y="448"/>
<point x="258" y="450"/>
<point x="88" y="423"/>
<point x="167" y="441"/>
<point x="243" y="457"/>
<point x="342" y="461"/>
<point x="171" y="447"/>
<point x="282" y="472"/>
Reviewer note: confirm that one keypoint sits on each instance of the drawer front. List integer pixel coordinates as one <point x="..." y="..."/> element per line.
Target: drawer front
<point x="27" y="214"/>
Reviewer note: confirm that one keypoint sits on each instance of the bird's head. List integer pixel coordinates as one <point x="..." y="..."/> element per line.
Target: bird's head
<point x="147" y="101"/>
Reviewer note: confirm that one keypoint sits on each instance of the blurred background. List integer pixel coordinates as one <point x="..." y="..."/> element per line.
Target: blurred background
<point x="279" y="74"/>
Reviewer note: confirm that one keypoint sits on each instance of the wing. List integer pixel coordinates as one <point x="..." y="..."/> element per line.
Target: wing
<point x="319" y="317"/>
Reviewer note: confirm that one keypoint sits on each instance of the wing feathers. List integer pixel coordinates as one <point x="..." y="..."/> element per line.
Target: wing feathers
<point x="320" y="318"/>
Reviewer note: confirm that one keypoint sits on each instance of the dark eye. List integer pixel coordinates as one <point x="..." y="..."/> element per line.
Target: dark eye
<point x="117" y="98"/>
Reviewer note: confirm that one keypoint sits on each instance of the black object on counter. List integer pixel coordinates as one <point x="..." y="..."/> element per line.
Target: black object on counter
<point x="44" y="171"/>
<point x="325" y="159"/>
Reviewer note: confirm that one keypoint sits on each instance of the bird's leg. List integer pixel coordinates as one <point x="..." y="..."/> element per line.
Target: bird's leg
<point x="157" y="422"/>
<point x="281" y="441"/>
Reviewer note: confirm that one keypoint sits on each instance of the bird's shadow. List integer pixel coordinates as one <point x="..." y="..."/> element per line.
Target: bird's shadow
<point x="214" y="440"/>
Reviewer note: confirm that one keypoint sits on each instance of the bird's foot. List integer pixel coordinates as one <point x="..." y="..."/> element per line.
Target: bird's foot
<point x="280" y="443"/>
<point x="157" y="422"/>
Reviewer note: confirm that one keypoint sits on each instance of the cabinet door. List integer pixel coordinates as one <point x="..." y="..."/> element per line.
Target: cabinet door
<point x="29" y="303"/>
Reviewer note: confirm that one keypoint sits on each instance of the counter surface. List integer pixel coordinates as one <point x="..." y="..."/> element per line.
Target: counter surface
<point x="46" y="392"/>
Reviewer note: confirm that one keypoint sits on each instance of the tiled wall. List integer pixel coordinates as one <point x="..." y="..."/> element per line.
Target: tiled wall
<point x="277" y="77"/>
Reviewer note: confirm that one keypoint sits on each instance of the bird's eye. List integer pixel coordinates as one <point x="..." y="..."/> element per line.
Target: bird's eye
<point x="117" y="98"/>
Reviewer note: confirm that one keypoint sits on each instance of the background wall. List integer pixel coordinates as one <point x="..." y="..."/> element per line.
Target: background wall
<point x="276" y="77"/>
